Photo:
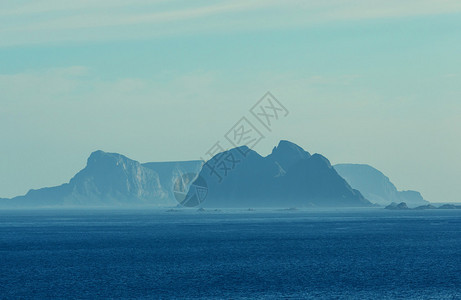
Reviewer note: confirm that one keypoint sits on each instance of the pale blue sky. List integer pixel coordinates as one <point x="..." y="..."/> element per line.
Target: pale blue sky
<point x="375" y="82"/>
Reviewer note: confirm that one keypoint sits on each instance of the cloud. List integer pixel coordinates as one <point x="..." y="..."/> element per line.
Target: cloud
<point x="59" y="21"/>
<point x="95" y="18"/>
<point x="73" y="89"/>
<point x="46" y="84"/>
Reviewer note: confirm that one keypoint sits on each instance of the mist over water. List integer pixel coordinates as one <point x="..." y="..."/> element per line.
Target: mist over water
<point x="359" y="253"/>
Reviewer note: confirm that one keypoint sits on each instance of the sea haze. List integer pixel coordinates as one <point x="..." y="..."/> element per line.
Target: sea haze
<point x="359" y="253"/>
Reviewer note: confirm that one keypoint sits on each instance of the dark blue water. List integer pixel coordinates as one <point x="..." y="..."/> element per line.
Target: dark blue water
<point x="155" y="254"/>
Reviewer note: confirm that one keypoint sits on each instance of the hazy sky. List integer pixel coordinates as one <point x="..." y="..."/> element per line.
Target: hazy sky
<point x="376" y="82"/>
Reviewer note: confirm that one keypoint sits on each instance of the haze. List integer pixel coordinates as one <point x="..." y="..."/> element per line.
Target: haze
<point x="376" y="83"/>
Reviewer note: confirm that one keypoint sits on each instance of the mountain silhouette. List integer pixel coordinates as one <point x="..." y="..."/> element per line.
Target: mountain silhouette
<point x="288" y="177"/>
<point x="376" y="186"/>
<point x="240" y="177"/>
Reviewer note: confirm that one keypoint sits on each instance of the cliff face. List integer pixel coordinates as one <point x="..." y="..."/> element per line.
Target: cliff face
<point x="114" y="178"/>
<point x="376" y="186"/>
<point x="109" y="180"/>
<point x="171" y="172"/>
<point x="288" y="177"/>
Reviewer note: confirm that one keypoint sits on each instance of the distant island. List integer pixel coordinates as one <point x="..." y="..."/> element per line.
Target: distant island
<point x="404" y="206"/>
<point x="289" y="177"/>
<point x="377" y="187"/>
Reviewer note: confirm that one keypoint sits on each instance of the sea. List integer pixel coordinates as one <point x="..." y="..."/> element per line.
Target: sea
<point x="230" y="254"/>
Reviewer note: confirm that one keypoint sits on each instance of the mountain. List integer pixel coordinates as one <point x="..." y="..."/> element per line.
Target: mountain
<point x="428" y="206"/>
<point x="288" y="177"/>
<point x="403" y="206"/>
<point x="399" y="206"/>
<point x="376" y="186"/>
<point x="110" y="180"/>
<point x="449" y="206"/>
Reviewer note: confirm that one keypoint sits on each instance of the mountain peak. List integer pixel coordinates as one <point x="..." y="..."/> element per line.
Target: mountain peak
<point x="287" y="153"/>
<point x="100" y="153"/>
<point x="286" y="147"/>
<point x="99" y="157"/>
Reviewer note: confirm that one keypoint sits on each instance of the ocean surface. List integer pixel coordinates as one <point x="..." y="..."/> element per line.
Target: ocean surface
<point x="150" y="254"/>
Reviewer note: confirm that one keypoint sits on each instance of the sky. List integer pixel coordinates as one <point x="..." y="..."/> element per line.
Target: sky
<point x="373" y="82"/>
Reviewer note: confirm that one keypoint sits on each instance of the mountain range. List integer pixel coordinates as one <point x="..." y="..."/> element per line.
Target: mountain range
<point x="111" y="180"/>
<point x="239" y="177"/>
